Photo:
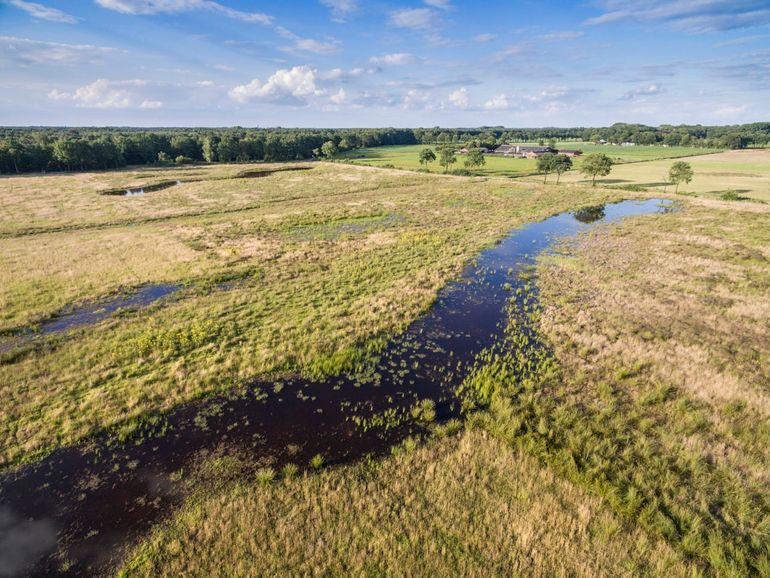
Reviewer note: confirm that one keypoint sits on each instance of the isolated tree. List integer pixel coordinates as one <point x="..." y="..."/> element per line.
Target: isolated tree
<point x="561" y="164"/>
<point x="446" y="157"/>
<point x="596" y="165"/>
<point x="427" y="156"/>
<point x="680" y="172"/>
<point x="475" y="158"/>
<point x="546" y="164"/>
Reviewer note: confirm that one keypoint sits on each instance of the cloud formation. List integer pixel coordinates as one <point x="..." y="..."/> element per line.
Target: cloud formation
<point x="695" y="16"/>
<point x="292" y="87"/>
<point x="175" y="6"/>
<point x="27" y="52"/>
<point x="41" y="12"/>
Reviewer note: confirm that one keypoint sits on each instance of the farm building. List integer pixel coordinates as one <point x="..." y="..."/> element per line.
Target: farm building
<point x="570" y="153"/>
<point x="520" y="151"/>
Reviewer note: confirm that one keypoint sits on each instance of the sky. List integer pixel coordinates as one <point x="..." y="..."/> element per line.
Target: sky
<point x="360" y="63"/>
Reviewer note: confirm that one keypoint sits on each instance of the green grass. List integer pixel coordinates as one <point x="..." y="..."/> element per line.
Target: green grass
<point x="407" y="157"/>
<point x="745" y="173"/>
<point x="331" y="261"/>
<point x="465" y="505"/>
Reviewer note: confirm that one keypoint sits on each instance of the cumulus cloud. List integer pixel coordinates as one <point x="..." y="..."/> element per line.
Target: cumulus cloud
<point x="43" y="12"/>
<point x="175" y="6"/>
<point x="339" y="97"/>
<point x="459" y="98"/>
<point x="103" y="93"/>
<point x="396" y="59"/>
<point x="26" y="51"/>
<point x="292" y="86"/>
<point x="497" y="102"/>
<point x="642" y="91"/>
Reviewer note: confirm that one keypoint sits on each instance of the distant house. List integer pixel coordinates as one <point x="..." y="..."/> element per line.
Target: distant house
<point x="570" y="153"/>
<point x="628" y="144"/>
<point x="520" y="151"/>
<point x="464" y="151"/>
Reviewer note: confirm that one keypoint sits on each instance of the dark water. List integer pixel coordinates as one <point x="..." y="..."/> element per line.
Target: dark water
<point x="84" y="504"/>
<point x="74" y="317"/>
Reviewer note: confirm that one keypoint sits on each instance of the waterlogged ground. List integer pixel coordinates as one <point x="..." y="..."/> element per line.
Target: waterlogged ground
<point x="74" y="510"/>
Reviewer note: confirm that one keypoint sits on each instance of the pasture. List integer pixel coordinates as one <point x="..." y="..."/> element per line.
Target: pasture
<point x="407" y="157"/>
<point x="744" y="172"/>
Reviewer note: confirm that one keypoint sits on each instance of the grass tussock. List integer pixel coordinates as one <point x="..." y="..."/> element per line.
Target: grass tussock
<point x="464" y="505"/>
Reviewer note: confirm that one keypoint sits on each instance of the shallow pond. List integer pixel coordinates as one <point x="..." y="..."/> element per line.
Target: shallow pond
<point x="87" y="502"/>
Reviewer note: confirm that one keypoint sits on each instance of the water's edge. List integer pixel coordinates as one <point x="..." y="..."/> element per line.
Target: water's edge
<point x="83" y="504"/>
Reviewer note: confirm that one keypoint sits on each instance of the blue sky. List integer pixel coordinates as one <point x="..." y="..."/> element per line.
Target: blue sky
<point x="347" y="63"/>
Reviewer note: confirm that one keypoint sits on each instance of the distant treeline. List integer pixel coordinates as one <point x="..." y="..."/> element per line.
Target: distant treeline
<point x="66" y="149"/>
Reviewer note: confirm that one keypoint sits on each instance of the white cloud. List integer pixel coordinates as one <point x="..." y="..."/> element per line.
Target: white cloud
<point x="416" y="99"/>
<point x="283" y="87"/>
<point x="316" y="46"/>
<point x="43" y="12"/>
<point x="224" y="67"/>
<point x="339" y="97"/>
<point x="307" y="44"/>
<point x="174" y="6"/>
<point x="497" y="102"/>
<point x="563" y="35"/>
<point x="27" y="51"/>
<point x="103" y="93"/>
<point x="56" y="94"/>
<point x="340" y="8"/>
<point x="442" y="4"/>
<point x="459" y="98"/>
<point x="151" y="104"/>
<point x="641" y="92"/>
<point x="206" y="83"/>
<point x="415" y="18"/>
<point x="487" y="37"/>
<point x="397" y="59"/>
<point x="696" y="16"/>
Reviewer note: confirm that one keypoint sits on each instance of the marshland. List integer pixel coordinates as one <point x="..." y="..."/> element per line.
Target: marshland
<point x="348" y="333"/>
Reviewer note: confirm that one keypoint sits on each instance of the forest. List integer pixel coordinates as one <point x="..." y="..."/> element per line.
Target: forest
<point x="40" y="149"/>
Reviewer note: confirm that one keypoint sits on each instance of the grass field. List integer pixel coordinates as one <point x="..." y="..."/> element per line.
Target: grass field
<point x="644" y="453"/>
<point x="407" y="157"/>
<point x="323" y="261"/>
<point x="745" y="172"/>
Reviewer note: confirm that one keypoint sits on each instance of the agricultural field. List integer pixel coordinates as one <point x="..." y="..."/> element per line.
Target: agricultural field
<point x="264" y="343"/>
<point x="744" y="172"/>
<point x="407" y="157"/>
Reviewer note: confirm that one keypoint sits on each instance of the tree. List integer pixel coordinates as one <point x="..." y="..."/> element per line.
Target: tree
<point x="427" y="156"/>
<point x="596" y="165"/>
<point x="475" y="158"/>
<point x="545" y="164"/>
<point x="328" y="149"/>
<point x="680" y="172"/>
<point x="446" y="157"/>
<point x="561" y="164"/>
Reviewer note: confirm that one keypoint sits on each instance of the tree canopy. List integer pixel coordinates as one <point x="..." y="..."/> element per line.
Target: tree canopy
<point x="596" y="165"/>
<point x="680" y="172"/>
